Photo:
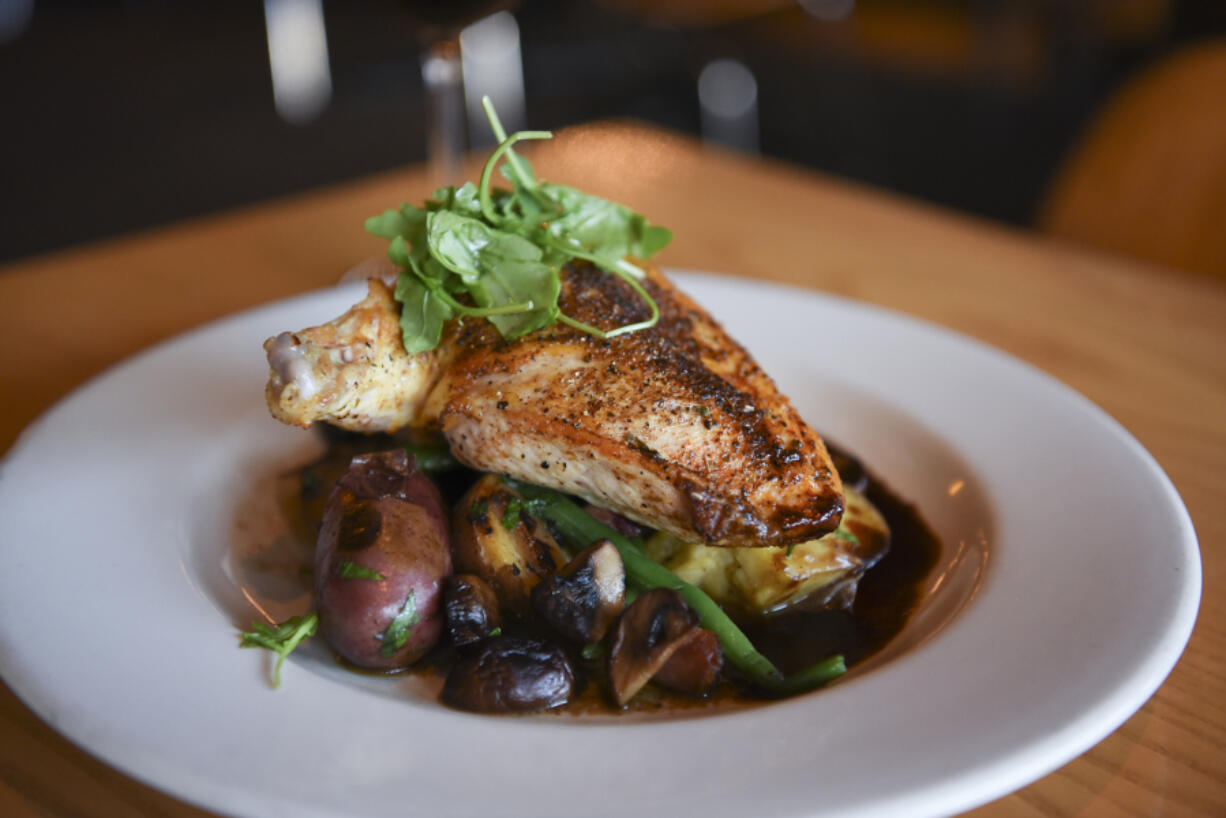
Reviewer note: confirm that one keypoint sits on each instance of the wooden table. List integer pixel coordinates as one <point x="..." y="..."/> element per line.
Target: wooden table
<point x="1146" y="344"/>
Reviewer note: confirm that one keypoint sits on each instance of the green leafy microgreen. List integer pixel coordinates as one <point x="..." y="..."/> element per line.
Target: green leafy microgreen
<point x="504" y="272"/>
<point x="463" y="199"/>
<point x="485" y="252"/>
<point x="281" y="638"/>
<point x="607" y="231"/>
<point x="518" y="168"/>
<point x="519" y="177"/>
<point x="351" y="570"/>
<point x="494" y="632"/>
<point x="510" y="518"/>
<point x="791" y="548"/>
<point x="398" y="632"/>
<point x="592" y="651"/>
<point x="422" y="314"/>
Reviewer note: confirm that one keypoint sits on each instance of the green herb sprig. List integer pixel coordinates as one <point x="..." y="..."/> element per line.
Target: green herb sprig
<point x="347" y="569"/>
<point x="484" y="252"/>
<point x="281" y="639"/>
<point x="401" y="628"/>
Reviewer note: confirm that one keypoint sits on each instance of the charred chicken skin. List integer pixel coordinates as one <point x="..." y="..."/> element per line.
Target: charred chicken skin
<point x="675" y="426"/>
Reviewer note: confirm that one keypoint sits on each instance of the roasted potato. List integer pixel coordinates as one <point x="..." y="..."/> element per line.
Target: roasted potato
<point x="499" y="542"/>
<point x="380" y="560"/>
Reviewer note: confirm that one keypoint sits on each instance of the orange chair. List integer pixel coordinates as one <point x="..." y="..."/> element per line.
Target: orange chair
<point x="1149" y="177"/>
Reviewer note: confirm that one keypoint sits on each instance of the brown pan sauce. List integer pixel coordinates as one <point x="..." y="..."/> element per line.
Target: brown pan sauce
<point x="887" y="595"/>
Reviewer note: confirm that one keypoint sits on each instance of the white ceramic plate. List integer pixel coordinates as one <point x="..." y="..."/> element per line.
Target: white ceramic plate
<point x="1066" y="592"/>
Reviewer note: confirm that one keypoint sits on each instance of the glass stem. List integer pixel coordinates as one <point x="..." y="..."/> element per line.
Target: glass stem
<point x="443" y="78"/>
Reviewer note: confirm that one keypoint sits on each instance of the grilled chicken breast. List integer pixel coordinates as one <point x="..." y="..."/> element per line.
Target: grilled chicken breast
<point x="675" y="427"/>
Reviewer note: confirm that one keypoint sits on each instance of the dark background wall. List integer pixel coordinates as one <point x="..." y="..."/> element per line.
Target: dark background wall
<point x="122" y="115"/>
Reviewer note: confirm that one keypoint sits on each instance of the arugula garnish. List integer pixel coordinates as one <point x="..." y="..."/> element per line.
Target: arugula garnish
<point x="280" y="639"/>
<point x="496" y="254"/>
<point x="401" y="628"/>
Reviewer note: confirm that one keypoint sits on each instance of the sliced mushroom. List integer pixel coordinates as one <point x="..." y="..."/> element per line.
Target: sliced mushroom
<point x="583" y="600"/>
<point x="495" y="539"/>
<point x="511" y="674"/>
<point x="471" y="609"/>
<point x="648" y="633"/>
<point x="695" y="665"/>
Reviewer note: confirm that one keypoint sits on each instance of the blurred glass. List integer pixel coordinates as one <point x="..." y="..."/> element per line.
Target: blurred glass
<point x="438" y="26"/>
<point x="494" y="67"/>
<point x="298" y="58"/>
<point x="15" y="16"/>
<point x="728" y="100"/>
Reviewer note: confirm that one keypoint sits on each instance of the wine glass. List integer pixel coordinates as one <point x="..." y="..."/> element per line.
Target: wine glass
<point x="438" y="26"/>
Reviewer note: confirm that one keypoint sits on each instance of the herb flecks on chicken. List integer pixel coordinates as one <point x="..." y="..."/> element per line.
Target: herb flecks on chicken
<point x="674" y="426"/>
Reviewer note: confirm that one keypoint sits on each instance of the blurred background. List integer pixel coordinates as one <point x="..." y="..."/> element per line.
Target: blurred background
<point x="125" y="114"/>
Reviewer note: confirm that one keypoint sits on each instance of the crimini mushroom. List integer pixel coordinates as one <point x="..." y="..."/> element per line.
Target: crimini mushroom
<point x="695" y="665"/>
<point x="471" y="609"/>
<point x="648" y="634"/>
<point x="583" y="600"/>
<point x="511" y="674"/>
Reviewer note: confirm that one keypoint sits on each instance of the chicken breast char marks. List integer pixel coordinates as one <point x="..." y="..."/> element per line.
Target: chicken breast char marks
<point x="675" y="427"/>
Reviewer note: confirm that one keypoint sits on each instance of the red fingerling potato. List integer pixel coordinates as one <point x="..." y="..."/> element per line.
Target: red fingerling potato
<point x="380" y="561"/>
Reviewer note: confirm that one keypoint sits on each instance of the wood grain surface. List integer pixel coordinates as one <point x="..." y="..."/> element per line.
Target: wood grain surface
<point x="1147" y="344"/>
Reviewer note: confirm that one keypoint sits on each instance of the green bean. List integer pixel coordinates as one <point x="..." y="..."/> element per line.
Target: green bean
<point x="576" y="525"/>
<point x="432" y="457"/>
